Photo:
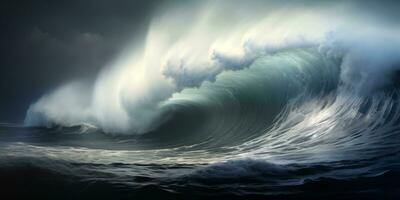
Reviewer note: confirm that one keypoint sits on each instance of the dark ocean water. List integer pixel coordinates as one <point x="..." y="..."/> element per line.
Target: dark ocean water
<point x="54" y="179"/>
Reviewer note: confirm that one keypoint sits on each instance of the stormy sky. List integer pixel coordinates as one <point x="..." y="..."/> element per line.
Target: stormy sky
<point x="45" y="43"/>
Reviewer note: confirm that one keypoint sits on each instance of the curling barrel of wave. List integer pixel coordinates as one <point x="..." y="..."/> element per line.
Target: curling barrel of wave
<point x="241" y="105"/>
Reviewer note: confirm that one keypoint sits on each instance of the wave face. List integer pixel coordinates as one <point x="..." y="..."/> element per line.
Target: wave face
<point x="262" y="105"/>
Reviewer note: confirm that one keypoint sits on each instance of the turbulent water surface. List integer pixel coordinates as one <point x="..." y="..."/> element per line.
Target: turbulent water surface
<point x="260" y="109"/>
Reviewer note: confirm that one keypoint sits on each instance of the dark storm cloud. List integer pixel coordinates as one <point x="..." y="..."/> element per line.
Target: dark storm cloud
<point x="44" y="43"/>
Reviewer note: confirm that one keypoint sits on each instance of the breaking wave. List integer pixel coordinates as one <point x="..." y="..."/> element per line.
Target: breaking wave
<point x="253" y="85"/>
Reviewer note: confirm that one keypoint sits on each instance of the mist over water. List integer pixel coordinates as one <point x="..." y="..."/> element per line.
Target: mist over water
<point x="279" y="100"/>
